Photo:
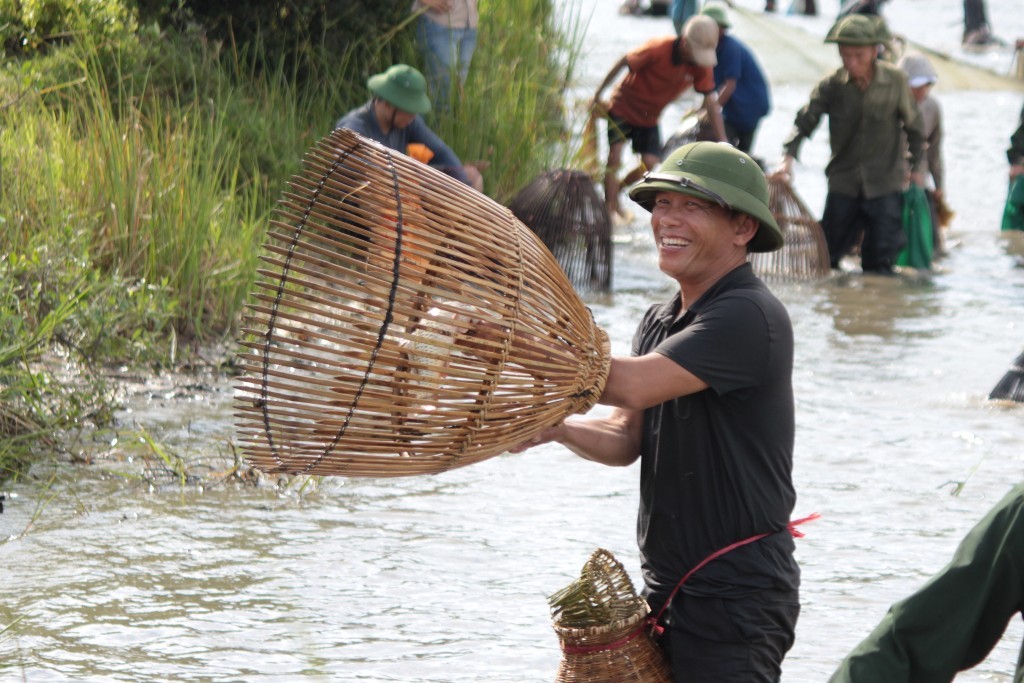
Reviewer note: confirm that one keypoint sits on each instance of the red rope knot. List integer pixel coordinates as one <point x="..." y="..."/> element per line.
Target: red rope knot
<point x="792" y="526"/>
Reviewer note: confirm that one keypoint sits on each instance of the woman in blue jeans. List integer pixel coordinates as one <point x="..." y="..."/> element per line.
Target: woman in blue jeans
<point x="446" y="34"/>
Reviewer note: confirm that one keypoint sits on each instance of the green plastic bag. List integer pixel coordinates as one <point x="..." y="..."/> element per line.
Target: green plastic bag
<point x="1013" y="214"/>
<point x="917" y="224"/>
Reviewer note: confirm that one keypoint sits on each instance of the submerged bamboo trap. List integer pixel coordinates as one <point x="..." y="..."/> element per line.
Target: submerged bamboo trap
<point x="404" y="324"/>
<point x="564" y="210"/>
<point x="601" y="624"/>
<point x="804" y="252"/>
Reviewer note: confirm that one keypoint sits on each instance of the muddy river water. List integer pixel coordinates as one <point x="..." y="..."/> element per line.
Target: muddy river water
<point x="445" y="578"/>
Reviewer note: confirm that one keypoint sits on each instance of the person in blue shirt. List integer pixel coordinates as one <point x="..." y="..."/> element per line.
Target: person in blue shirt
<point x="741" y="84"/>
<point x="393" y="118"/>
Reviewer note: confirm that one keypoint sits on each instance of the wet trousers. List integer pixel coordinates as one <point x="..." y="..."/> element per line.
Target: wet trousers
<point x="743" y="140"/>
<point x="880" y="221"/>
<point x="952" y="622"/>
<point x="739" y="640"/>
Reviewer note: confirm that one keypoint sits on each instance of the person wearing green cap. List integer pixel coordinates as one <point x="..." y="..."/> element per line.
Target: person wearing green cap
<point x="869" y="107"/>
<point x="705" y="403"/>
<point x="393" y="117"/>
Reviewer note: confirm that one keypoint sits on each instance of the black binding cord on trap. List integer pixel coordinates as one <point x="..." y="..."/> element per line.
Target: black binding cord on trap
<point x="381" y="334"/>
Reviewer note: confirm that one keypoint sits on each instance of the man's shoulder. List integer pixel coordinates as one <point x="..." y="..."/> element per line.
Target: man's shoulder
<point x="357" y="119"/>
<point x="743" y="285"/>
<point x="838" y="77"/>
<point x="888" y="72"/>
<point x="660" y="44"/>
<point x="930" y="105"/>
<point x="660" y="41"/>
<point x="731" y="43"/>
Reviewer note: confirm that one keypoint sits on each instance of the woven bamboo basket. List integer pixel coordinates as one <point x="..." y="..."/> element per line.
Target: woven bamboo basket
<point x="404" y="324"/>
<point x="564" y="210"/>
<point x="601" y="624"/>
<point x="804" y="253"/>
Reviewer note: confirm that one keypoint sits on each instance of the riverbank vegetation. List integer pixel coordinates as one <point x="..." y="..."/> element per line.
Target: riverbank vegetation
<point x="142" y="148"/>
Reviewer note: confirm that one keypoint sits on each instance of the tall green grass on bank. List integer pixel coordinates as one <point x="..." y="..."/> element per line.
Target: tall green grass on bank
<point x="511" y="113"/>
<point x="137" y="178"/>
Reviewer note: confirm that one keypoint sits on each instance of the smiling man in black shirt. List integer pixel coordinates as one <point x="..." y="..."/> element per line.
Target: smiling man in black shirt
<point x="705" y="402"/>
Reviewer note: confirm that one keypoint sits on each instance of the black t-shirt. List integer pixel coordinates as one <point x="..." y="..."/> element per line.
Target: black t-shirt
<point x="716" y="466"/>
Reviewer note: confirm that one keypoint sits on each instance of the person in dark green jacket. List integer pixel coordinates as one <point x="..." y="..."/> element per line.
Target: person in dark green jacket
<point x="869" y="105"/>
<point x="952" y="622"/>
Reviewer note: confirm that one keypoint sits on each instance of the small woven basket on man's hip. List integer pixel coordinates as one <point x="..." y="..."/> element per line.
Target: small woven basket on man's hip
<point x="601" y="624"/>
<point x="404" y="324"/>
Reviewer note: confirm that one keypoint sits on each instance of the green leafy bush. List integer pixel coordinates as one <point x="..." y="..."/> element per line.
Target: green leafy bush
<point x="27" y="26"/>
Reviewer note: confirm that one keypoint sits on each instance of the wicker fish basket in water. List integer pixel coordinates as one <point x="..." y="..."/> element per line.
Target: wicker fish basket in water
<point x="404" y="324"/>
<point x="564" y="210"/>
<point x="804" y="252"/>
<point x="601" y="624"/>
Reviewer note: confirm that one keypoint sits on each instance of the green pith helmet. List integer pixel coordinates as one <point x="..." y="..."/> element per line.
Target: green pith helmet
<point x="401" y="86"/>
<point x="721" y="173"/>
<point x="717" y="12"/>
<point x="858" y="29"/>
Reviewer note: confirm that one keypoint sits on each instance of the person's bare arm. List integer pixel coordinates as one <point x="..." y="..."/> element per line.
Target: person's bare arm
<point x="623" y="63"/>
<point x="726" y="91"/>
<point x="634" y="384"/>
<point x="714" y="112"/>
<point x="784" y="170"/>
<point x="639" y="382"/>
<point x="612" y="440"/>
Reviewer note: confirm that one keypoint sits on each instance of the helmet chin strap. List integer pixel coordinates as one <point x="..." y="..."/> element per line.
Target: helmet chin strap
<point x="390" y="120"/>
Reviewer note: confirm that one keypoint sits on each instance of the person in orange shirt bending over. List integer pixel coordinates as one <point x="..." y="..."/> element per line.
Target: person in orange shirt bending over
<point x="660" y="71"/>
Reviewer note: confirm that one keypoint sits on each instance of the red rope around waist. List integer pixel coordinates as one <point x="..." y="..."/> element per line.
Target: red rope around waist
<point x="652" y="622"/>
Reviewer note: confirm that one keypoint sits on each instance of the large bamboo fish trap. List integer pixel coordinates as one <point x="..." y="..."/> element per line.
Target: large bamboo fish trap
<point x="404" y="324"/>
<point x="564" y="210"/>
<point x="804" y="252"/>
<point x="601" y="624"/>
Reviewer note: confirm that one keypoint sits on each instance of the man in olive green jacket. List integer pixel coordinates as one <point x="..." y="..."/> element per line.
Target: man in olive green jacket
<point x="869" y="104"/>
<point x="952" y="622"/>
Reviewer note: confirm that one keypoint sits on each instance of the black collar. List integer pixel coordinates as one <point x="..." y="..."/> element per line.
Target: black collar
<point x="677" y="51"/>
<point x="734" y="278"/>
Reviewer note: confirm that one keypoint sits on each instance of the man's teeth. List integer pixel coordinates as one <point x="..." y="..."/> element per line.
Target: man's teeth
<point x="674" y="242"/>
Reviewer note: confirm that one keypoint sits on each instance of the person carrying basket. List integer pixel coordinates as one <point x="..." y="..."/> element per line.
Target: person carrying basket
<point x="705" y="403"/>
